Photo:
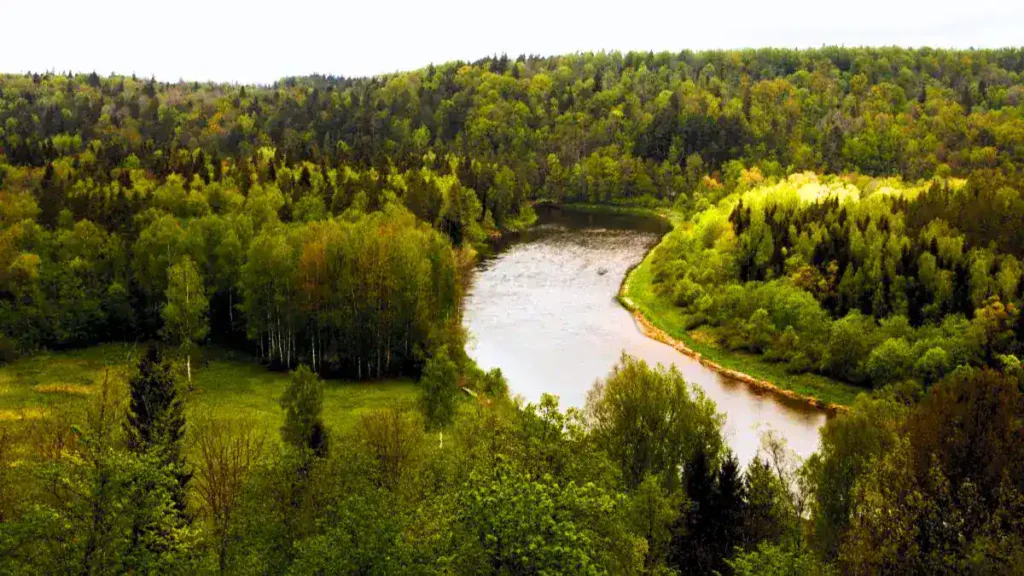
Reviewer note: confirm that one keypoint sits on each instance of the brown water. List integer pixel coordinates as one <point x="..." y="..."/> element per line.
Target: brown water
<point x="543" y="309"/>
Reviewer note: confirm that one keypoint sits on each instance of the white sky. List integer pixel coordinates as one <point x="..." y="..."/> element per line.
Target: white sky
<point x="259" y="41"/>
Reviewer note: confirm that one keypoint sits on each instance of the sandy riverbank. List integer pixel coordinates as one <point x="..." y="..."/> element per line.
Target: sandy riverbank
<point x="652" y="331"/>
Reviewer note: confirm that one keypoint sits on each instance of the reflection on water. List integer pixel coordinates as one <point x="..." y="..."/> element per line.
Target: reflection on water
<point x="543" y="309"/>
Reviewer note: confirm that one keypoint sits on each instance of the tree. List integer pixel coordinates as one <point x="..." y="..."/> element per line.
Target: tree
<point x="650" y="421"/>
<point x="932" y="365"/>
<point x="730" y="509"/>
<point x="848" y="346"/>
<point x="769" y="512"/>
<point x="186" y="312"/>
<point x="229" y="257"/>
<point x="693" y="548"/>
<point x="440" y="384"/>
<point x="303" y="403"/>
<point x="652" y="514"/>
<point x="225" y="454"/>
<point x="849" y="444"/>
<point x="889" y="362"/>
<point x="114" y="513"/>
<point x="156" y="418"/>
<point x="523" y="525"/>
<point x="393" y="439"/>
<point x="775" y="560"/>
<point x="939" y="501"/>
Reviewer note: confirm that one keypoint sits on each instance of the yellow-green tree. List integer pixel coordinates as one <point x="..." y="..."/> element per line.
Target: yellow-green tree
<point x="186" y="312"/>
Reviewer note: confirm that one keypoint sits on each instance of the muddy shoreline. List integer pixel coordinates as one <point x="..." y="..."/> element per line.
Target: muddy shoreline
<point x="653" y="332"/>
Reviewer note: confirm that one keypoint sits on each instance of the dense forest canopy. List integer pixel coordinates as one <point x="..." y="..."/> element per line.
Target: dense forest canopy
<point x="855" y="213"/>
<point x="127" y="174"/>
<point x="870" y="281"/>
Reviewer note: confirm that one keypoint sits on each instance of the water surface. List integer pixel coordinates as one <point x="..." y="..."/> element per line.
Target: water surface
<point x="543" y="309"/>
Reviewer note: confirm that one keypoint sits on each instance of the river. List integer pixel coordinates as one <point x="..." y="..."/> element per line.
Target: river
<point x="543" y="308"/>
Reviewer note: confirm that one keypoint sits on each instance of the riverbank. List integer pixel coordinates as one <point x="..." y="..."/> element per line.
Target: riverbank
<point x="664" y="322"/>
<point x="660" y="320"/>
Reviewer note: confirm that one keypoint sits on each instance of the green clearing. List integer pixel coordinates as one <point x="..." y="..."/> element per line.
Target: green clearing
<point x="228" y="385"/>
<point x="663" y="314"/>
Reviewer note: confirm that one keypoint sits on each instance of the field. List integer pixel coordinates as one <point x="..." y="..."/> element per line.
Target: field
<point x="669" y="318"/>
<point x="227" y="385"/>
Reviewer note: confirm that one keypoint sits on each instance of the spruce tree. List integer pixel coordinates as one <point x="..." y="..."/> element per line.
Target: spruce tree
<point x="51" y="198"/>
<point x="690" y="549"/>
<point x="156" y="417"/>
<point x="728" y="511"/>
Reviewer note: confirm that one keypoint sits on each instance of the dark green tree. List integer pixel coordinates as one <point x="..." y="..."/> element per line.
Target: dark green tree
<point x="303" y="403"/>
<point x="156" y="418"/>
<point x="440" y="384"/>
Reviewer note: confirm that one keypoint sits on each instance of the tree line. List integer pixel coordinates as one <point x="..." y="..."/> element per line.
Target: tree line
<point x="107" y="182"/>
<point x="606" y="126"/>
<point x="359" y="293"/>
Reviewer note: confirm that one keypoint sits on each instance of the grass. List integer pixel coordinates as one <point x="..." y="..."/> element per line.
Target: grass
<point x="228" y="385"/>
<point x="638" y="288"/>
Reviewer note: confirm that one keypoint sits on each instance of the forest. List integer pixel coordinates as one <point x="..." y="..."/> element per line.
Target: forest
<point x="854" y="213"/>
<point x="869" y="281"/>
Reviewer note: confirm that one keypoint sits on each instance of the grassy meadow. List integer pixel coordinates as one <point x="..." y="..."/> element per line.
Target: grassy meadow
<point x="227" y="385"/>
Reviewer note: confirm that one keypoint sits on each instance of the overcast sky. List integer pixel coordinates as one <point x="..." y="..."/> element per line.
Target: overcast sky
<point x="258" y="41"/>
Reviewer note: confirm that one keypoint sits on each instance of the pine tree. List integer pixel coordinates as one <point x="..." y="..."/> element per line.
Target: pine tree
<point x="51" y="198"/>
<point x="156" y="417"/>
<point x="691" y="549"/>
<point x="728" y="511"/>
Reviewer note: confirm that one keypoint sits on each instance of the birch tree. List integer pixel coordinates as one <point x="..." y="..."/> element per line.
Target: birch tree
<point x="186" y="313"/>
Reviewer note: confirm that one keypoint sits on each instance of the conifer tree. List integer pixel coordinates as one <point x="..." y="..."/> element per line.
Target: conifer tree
<point x="156" y="417"/>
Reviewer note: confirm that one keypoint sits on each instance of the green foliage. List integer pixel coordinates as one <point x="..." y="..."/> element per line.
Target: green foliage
<point x="365" y="297"/>
<point x="155" y="422"/>
<point x="775" y="560"/>
<point x="652" y="513"/>
<point x="495" y="385"/>
<point x="364" y="536"/>
<point x="651" y="422"/>
<point x="185" y="314"/>
<point x="107" y="510"/>
<point x="323" y="219"/>
<point x="523" y="525"/>
<point x="440" y="383"/>
<point x="890" y="361"/>
<point x="116" y="514"/>
<point x="925" y="489"/>
<point x="856" y="279"/>
<point x="712" y="521"/>
<point x="393" y="440"/>
<point x="769" y="514"/>
<point x="850" y="444"/>
<point x="303" y="403"/>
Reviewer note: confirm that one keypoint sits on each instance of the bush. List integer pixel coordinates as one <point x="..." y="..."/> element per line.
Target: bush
<point x="889" y="362"/>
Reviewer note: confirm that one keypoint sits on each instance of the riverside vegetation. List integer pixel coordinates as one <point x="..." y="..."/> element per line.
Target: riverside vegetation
<point x="847" y="219"/>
